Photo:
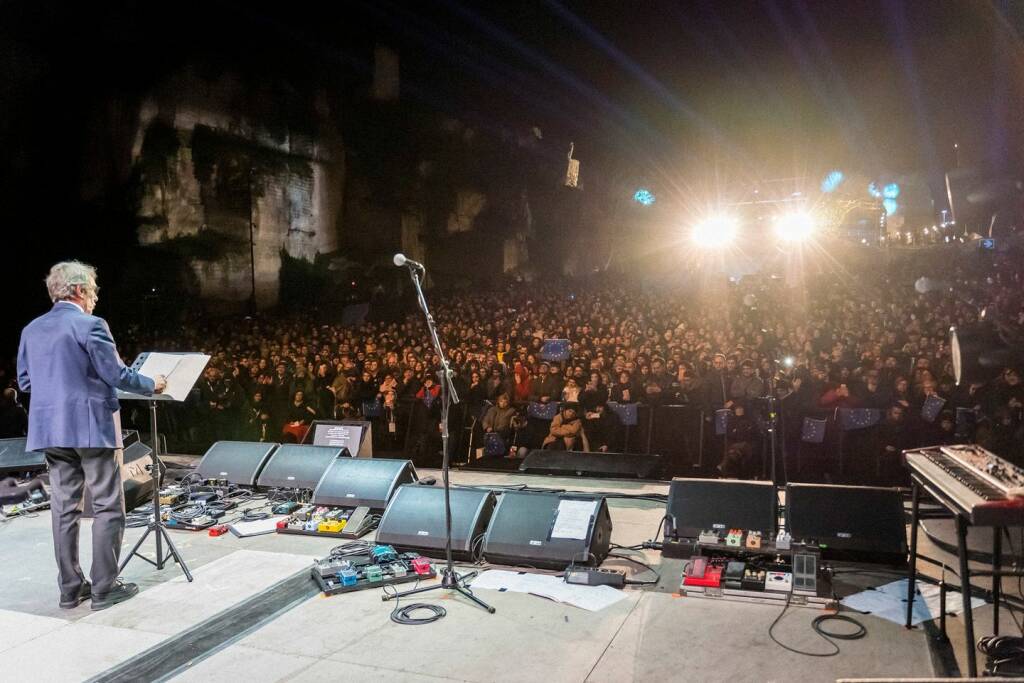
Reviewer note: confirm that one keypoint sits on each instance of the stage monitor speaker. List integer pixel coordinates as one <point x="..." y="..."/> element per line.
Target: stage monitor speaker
<point x="293" y="466"/>
<point x="860" y="522"/>
<point x="369" y="482"/>
<point x="551" y="530"/>
<point x="355" y="435"/>
<point x="414" y="520"/>
<point x="239" y="462"/>
<point x="136" y="475"/>
<point x="14" y="458"/>
<point x="696" y="505"/>
<point x="129" y="437"/>
<point x="594" y="464"/>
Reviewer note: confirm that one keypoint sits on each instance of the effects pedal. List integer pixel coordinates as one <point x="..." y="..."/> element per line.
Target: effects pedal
<point x="585" y="576"/>
<point x="218" y="529"/>
<point x="783" y="541"/>
<point x="805" y="574"/>
<point x="286" y="508"/>
<point x="700" y="572"/>
<point x="753" y="579"/>
<point x="710" y="537"/>
<point x="734" y="539"/>
<point x="754" y="540"/>
<point x="331" y="526"/>
<point x="733" y="577"/>
<point x="331" y="566"/>
<point x="779" y="582"/>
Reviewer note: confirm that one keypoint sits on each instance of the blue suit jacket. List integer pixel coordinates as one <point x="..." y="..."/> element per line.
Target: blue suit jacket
<point x="68" y="362"/>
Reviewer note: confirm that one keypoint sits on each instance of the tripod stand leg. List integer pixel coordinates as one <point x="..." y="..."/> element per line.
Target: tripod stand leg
<point x="134" y="550"/>
<point x="172" y="551"/>
<point x="462" y="591"/>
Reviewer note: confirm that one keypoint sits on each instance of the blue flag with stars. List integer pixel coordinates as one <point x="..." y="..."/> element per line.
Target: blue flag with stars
<point x="627" y="412"/>
<point x="813" y="430"/>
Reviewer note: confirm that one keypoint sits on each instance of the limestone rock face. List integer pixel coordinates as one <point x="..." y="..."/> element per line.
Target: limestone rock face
<point x="232" y="188"/>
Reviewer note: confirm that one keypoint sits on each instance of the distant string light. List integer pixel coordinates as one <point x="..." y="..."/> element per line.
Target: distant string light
<point x="644" y="197"/>
<point x="832" y="181"/>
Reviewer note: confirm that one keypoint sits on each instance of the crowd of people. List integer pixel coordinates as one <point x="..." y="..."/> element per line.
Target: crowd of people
<point x="828" y="340"/>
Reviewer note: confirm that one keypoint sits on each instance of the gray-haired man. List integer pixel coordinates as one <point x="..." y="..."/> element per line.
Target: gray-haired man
<point x="68" y="362"/>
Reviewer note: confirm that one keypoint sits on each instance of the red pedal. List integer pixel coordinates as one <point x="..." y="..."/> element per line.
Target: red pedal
<point x="712" y="578"/>
<point x="283" y="524"/>
<point x="421" y="566"/>
<point x="218" y="529"/>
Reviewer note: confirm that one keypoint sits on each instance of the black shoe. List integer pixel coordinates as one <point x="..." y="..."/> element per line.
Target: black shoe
<point x="73" y="601"/>
<point x="120" y="592"/>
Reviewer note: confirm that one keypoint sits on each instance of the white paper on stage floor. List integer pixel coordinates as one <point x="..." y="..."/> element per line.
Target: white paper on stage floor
<point x="573" y="519"/>
<point x="255" y="528"/>
<point x="592" y="598"/>
<point x="889" y="602"/>
<point x="182" y="371"/>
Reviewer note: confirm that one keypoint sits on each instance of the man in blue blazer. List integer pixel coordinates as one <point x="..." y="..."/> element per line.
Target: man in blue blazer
<point x="68" y="361"/>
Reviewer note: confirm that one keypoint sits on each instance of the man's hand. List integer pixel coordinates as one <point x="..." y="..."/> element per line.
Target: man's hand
<point x="159" y="384"/>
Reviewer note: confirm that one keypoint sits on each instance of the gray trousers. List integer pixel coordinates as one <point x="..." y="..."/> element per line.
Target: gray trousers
<point x="71" y="469"/>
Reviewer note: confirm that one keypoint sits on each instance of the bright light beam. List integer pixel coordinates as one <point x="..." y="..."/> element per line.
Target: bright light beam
<point x="715" y="232"/>
<point x="795" y="227"/>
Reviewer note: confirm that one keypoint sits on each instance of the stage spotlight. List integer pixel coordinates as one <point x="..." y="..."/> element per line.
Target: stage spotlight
<point x="795" y="227"/>
<point x="715" y="231"/>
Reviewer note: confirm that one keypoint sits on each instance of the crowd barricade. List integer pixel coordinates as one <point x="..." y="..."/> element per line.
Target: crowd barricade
<point x="842" y="446"/>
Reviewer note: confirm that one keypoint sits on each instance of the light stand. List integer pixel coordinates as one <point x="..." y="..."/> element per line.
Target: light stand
<point x="772" y="426"/>
<point x="450" y="579"/>
<point x="156" y="524"/>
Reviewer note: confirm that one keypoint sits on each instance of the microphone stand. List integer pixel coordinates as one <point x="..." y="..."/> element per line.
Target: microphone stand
<point x="450" y="579"/>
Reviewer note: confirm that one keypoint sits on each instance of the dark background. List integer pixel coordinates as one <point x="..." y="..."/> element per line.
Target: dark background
<point x="684" y="93"/>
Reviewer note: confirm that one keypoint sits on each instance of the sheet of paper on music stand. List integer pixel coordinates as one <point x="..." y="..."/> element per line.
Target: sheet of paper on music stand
<point x="573" y="519"/>
<point x="182" y="371"/>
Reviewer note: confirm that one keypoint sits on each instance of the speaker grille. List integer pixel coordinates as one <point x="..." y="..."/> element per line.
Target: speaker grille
<point x="352" y="482"/>
<point x="863" y="519"/>
<point x="696" y="505"/>
<point x="298" y="467"/>
<point x="415" y="520"/>
<point x="520" y="532"/>
<point x="240" y="462"/>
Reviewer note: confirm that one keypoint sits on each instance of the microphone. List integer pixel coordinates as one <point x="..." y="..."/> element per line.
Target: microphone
<point x="400" y="260"/>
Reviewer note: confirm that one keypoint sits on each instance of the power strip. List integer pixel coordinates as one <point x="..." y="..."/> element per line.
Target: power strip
<point x="585" y="576"/>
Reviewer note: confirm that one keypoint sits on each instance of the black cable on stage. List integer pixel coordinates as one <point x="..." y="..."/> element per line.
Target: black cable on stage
<point x="634" y="582"/>
<point x="403" y="615"/>
<point x="828" y="636"/>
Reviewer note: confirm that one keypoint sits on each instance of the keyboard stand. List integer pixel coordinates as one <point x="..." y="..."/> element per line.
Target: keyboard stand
<point x="919" y="484"/>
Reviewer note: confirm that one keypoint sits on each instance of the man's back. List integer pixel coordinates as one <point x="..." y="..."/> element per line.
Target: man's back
<point x="67" y="360"/>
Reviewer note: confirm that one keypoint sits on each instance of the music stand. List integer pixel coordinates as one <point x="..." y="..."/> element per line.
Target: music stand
<point x="182" y="371"/>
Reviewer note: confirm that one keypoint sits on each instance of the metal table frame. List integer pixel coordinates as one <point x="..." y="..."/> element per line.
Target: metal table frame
<point x="919" y="484"/>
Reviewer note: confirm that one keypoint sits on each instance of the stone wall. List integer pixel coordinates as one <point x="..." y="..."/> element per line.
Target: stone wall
<point x="208" y="167"/>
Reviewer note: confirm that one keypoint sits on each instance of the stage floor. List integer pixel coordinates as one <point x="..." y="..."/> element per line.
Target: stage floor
<point x="654" y="634"/>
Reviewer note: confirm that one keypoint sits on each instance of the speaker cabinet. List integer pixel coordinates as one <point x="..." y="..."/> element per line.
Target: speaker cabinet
<point x="550" y="530"/>
<point x="14" y="458"/>
<point x="293" y="466"/>
<point x="369" y="482"/>
<point x="696" y="505"/>
<point x="593" y="464"/>
<point x="414" y="520"/>
<point x="240" y="462"/>
<point x="136" y="475"/>
<point x="859" y="522"/>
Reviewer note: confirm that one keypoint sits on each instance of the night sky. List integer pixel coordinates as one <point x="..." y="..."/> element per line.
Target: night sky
<point x="672" y="91"/>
